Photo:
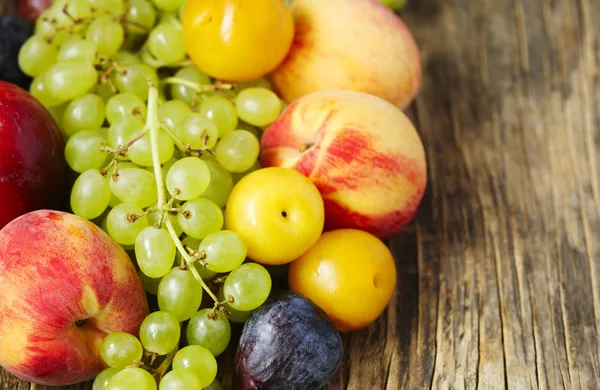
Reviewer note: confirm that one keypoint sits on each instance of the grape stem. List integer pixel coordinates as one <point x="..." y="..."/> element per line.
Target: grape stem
<point x="153" y="126"/>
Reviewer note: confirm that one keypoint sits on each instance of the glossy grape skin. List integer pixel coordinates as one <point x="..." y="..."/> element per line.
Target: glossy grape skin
<point x="235" y="316"/>
<point x="178" y="379"/>
<point x="237" y="151"/>
<point x="200" y="217"/>
<point x="120" y="349"/>
<point x="220" y="185"/>
<point x="198" y="132"/>
<point x="132" y="379"/>
<point x="186" y="94"/>
<point x="114" y="7"/>
<point x="136" y="186"/>
<point x="160" y="332"/>
<point x="166" y="44"/>
<point x="83" y="113"/>
<point x="124" y="130"/>
<point x="102" y="379"/>
<point x="77" y="47"/>
<point x="142" y="14"/>
<point x="168" y="5"/>
<point x="135" y="79"/>
<point x="36" y="56"/>
<point x="107" y="34"/>
<point x="199" y="360"/>
<point x="180" y="294"/>
<point x="39" y="91"/>
<point x="212" y="334"/>
<point x="84" y="151"/>
<point x="90" y="194"/>
<point x="258" y="106"/>
<point x="192" y="243"/>
<point x="249" y="285"/>
<point x="221" y="112"/>
<point x="150" y="284"/>
<point x="225" y="251"/>
<point x="188" y="178"/>
<point x="141" y="151"/>
<point x="124" y="105"/>
<point x="120" y="228"/>
<point x="173" y="112"/>
<point x="155" y="252"/>
<point x="69" y="79"/>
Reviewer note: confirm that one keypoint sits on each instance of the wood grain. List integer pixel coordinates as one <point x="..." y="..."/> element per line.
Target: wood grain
<point x="498" y="276"/>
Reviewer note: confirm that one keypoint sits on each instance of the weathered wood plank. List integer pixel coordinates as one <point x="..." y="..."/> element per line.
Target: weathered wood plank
<point x="498" y="277"/>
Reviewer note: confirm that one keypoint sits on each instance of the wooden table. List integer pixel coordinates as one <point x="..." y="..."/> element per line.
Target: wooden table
<point x="498" y="276"/>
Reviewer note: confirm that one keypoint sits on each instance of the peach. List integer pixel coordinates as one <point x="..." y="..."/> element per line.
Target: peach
<point x="64" y="285"/>
<point x="358" y="45"/>
<point x="363" y="154"/>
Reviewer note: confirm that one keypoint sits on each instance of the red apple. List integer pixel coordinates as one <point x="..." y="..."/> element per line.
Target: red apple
<point x="64" y="285"/>
<point x="358" y="45"/>
<point x="33" y="171"/>
<point x="363" y="154"/>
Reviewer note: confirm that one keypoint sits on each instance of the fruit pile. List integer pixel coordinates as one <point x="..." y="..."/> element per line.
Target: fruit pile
<point x="220" y="146"/>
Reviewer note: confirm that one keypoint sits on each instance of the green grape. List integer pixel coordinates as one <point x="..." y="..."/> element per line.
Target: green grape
<point x="249" y="285"/>
<point x="57" y="113"/>
<point x="198" y="132"/>
<point x="210" y="330"/>
<point x="126" y="58"/>
<point x="258" y="106"/>
<point x="36" y="56"/>
<point x="134" y="79"/>
<point x="141" y="16"/>
<point x="122" y="131"/>
<point x="107" y="34"/>
<point x="160" y="332"/>
<point x="171" y="19"/>
<point x="84" y="112"/>
<point x="77" y="9"/>
<point x="101" y="381"/>
<point x="220" y="184"/>
<point x="135" y="185"/>
<point x="200" y="217"/>
<point x="215" y="385"/>
<point x="180" y="380"/>
<point x="124" y="105"/>
<point x="188" y="178"/>
<point x="39" y="91"/>
<point x="180" y="294"/>
<point x="166" y="44"/>
<point x="199" y="360"/>
<point x="236" y="316"/>
<point x="253" y="129"/>
<point x="173" y="112"/>
<point x="44" y="27"/>
<point x="141" y="151"/>
<point x="104" y="91"/>
<point x="237" y="176"/>
<point x="225" y="250"/>
<point x="237" y="151"/>
<point x="168" y="5"/>
<point x="155" y="252"/>
<point x="193" y="243"/>
<point x="84" y="151"/>
<point x="122" y="227"/>
<point x="221" y="112"/>
<point x="262" y="82"/>
<point x="150" y="284"/>
<point x="115" y="7"/>
<point x="121" y="349"/>
<point x="173" y="217"/>
<point x="90" y="194"/>
<point x="133" y="378"/>
<point x="69" y="79"/>
<point x="395" y="4"/>
<point x="77" y="47"/>
<point x="187" y="94"/>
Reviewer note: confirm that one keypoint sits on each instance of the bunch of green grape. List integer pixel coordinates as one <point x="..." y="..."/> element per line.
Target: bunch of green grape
<point x="94" y="63"/>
